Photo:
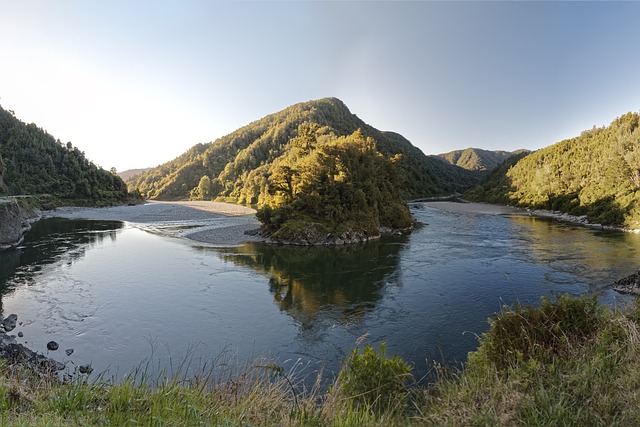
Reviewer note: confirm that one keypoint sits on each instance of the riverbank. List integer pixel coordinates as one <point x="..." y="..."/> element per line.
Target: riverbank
<point x="489" y="209"/>
<point x="568" y="362"/>
<point x="204" y="222"/>
<point x="243" y="223"/>
<point x="14" y="222"/>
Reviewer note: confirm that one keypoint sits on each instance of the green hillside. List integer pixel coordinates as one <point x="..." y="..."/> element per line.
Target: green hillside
<point x="476" y="159"/>
<point x="129" y="173"/>
<point x="237" y="166"/>
<point x="33" y="162"/>
<point x="596" y="174"/>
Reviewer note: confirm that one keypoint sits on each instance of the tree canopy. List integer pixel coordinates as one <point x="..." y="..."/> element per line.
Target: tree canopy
<point x="34" y="162"/>
<point x="596" y="174"/>
<point x="337" y="183"/>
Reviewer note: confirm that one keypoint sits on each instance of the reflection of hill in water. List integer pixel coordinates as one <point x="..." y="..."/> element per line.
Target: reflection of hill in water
<point x="305" y="281"/>
<point x="48" y="242"/>
<point x="574" y="250"/>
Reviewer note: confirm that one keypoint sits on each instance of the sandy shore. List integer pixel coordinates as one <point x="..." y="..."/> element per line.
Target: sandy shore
<point x="155" y="211"/>
<point x="208" y="222"/>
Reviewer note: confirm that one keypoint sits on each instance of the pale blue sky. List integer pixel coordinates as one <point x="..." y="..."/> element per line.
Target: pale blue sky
<point x="136" y="83"/>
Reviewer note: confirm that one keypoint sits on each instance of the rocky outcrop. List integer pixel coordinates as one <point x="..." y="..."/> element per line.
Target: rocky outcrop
<point x="14" y="222"/>
<point x="17" y="354"/>
<point x="9" y="323"/>
<point x="629" y="284"/>
<point x="316" y="235"/>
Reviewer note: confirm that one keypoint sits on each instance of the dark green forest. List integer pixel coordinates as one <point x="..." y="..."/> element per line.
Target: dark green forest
<point x="330" y="185"/>
<point x="237" y="167"/>
<point x="476" y="159"/>
<point x="32" y="162"/>
<point x="596" y="174"/>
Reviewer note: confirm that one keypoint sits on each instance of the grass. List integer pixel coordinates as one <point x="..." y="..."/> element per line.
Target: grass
<point x="566" y="362"/>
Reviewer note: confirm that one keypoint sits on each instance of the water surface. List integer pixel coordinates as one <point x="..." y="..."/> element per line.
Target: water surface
<point x="119" y="295"/>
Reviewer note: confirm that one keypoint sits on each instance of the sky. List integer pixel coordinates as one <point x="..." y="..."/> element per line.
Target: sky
<point x="136" y="83"/>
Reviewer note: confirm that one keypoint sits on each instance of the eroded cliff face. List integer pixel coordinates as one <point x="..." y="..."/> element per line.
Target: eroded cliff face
<point x="14" y="221"/>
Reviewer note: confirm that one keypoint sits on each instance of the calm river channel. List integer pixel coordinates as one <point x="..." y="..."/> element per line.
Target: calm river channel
<point x="124" y="298"/>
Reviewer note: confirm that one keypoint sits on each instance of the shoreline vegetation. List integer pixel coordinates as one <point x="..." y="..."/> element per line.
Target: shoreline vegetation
<point x="595" y="177"/>
<point x="570" y="361"/>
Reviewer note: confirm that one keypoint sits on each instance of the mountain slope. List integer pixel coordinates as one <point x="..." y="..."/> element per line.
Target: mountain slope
<point x="595" y="174"/>
<point x="33" y="162"/>
<point x="237" y="166"/>
<point x="476" y="159"/>
<point x="129" y="173"/>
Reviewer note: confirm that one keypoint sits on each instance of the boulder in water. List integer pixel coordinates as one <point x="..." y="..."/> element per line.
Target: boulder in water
<point x="629" y="284"/>
<point x="9" y="322"/>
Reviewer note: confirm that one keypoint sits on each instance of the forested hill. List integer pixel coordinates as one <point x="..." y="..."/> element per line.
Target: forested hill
<point x="476" y="159"/>
<point x="237" y="167"/>
<point x="33" y="162"/>
<point x="595" y="174"/>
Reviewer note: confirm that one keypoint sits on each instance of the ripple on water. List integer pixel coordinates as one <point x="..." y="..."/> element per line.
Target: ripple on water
<point x="121" y="294"/>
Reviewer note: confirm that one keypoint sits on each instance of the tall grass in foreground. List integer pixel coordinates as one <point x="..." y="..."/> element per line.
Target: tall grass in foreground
<point x="567" y="362"/>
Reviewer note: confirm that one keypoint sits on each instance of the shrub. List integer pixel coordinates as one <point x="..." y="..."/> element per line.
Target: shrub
<point x="525" y="332"/>
<point x="372" y="380"/>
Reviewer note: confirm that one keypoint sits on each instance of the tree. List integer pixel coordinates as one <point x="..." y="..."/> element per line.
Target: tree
<point x="2" y="170"/>
<point x="204" y="188"/>
<point x="281" y="182"/>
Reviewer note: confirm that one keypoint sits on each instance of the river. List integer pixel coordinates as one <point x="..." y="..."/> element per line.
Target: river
<point x="126" y="299"/>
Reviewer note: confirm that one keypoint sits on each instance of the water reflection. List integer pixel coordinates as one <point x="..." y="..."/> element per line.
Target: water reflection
<point x="49" y="242"/>
<point x="103" y="288"/>
<point x="342" y="282"/>
<point x="572" y="251"/>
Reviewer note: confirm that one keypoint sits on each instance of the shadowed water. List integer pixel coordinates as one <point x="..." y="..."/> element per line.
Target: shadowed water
<point x="119" y="295"/>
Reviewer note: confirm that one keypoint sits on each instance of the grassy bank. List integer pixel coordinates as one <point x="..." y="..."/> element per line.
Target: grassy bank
<point x="566" y="362"/>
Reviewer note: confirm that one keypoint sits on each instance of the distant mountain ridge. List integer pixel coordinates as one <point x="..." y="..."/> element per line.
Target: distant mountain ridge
<point x="477" y="159"/>
<point x="238" y="165"/>
<point x="129" y="173"/>
<point x="596" y="174"/>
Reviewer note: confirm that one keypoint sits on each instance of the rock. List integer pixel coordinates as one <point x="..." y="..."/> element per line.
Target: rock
<point x="6" y="340"/>
<point x="629" y="284"/>
<point x="17" y="354"/>
<point x="85" y="369"/>
<point x="9" y="323"/>
<point x="69" y="351"/>
<point x="253" y="232"/>
<point x="315" y="234"/>
<point x="13" y="223"/>
<point x="52" y="345"/>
